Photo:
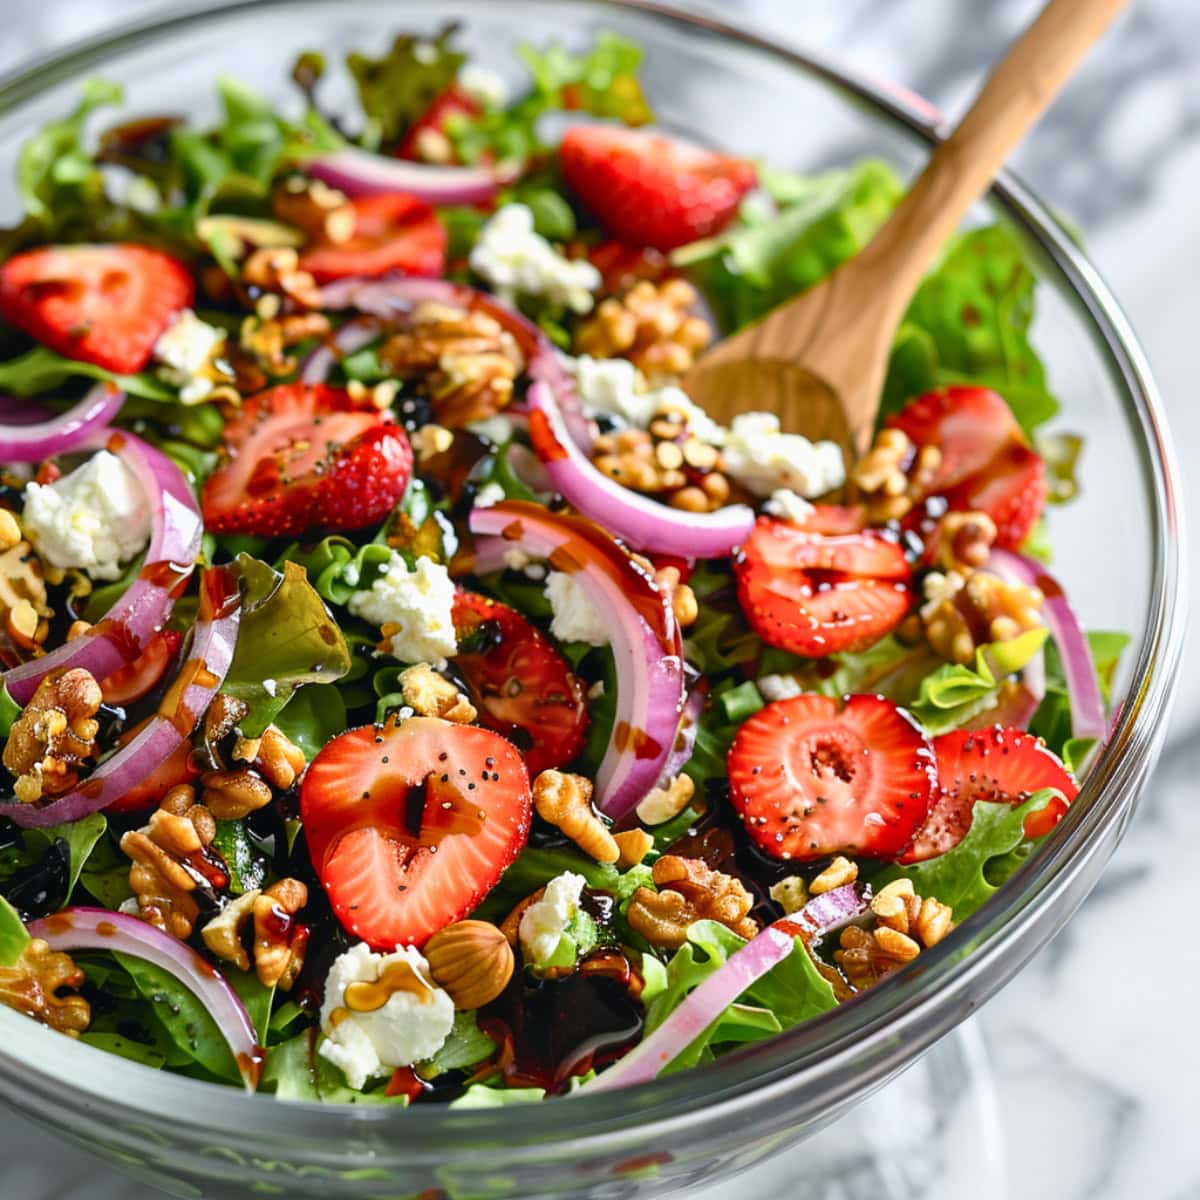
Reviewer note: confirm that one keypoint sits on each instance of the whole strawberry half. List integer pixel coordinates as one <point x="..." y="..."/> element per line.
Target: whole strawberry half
<point x="811" y="777"/>
<point x="102" y="304"/>
<point x="651" y="190"/>
<point x="306" y="456"/>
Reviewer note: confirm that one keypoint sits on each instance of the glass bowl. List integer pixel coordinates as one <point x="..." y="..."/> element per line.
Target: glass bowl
<point x="1119" y="548"/>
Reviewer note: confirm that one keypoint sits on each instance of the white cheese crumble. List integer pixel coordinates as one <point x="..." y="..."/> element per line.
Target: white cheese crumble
<point x="763" y="459"/>
<point x="515" y="260"/>
<point x="545" y="921"/>
<point x="410" y="1027"/>
<point x="489" y="494"/>
<point x="576" y="618"/>
<point x="779" y="687"/>
<point x="788" y="506"/>
<point x="420" y="602"/>
<point x="185" y="349"/>
<point x="93" y="519"/>
<point x="487" y="88"/>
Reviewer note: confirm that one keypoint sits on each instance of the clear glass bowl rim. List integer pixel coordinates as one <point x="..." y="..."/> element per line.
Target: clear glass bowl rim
<point x="814" y="1057"/>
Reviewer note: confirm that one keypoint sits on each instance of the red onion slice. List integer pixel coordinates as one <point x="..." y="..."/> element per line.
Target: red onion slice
<point x="685" y="733"/>
<point x="352" y="336"/>
<point x="646" y="642"/>
<point x="361" y="173"/>
<point x="185" y="702"/>
<point x="642" y="522"/>
<point x="30" y="443"/>
<point x="1087" y="705"/>
<point x="699" y="1010"/>
<point x="832" y="910"/>
<point x="100" y="929"/>
<point x="394" y="295"/>
<point x="142" y="611"/>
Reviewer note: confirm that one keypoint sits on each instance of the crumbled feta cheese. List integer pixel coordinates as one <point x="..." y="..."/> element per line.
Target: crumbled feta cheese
<point x="763" y="459"/>
<point x="535" y="571"/>
<point x="93" y="519"/>
<point x="596" y="691"/>
<point x="545" y="921"/>
<point x="576" y="618"/>
<point x="489" y="494"/>
<point x="787" y="505"/>
<point x="411" y="1025"/>
<point x="515" y="559"/>
<point x="270" y="686"/>
<point x="487" y="88"/>
<point x="517" y="261"/>
<point x="186" y="348"/>
<point x="779" y="687"/>
<point x="419" y="602"/>
<point x="498" y="429"/>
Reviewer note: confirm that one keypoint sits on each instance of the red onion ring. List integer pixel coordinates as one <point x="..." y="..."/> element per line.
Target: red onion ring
<point x="1087" y="705"/>
<point x="141" y="612"/>
<point x="833" y="910"/>
<point x="685" y="733"/>
<point x="646" y="642"/>
<point x="181" y="708"/>
<point x="392" y="295"/>
<point x="352" y="336"/>
<point x="30" y="443"/>
<point x="638" y="520"/>
<point x="699" y="1009"/>
<point x="99" y="929"/>
<point x="359" y="172"/>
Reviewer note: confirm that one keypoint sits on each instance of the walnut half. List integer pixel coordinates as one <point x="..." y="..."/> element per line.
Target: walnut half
<point x="690" y="891"/>
<point x="32" y="985"/>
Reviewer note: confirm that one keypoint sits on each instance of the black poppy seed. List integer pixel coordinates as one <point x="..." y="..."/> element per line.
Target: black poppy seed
<point x="445" y="778"/>
<point x="443" y="756"/>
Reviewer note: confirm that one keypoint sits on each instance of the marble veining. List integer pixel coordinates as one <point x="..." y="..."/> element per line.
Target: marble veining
<point x="1077" y="1082"/>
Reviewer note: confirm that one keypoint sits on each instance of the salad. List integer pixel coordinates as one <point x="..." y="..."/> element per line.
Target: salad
<point x="408" y="693"/>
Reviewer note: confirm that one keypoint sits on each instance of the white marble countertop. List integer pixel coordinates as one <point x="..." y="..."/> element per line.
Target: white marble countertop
<point x="1083" y="1070"/>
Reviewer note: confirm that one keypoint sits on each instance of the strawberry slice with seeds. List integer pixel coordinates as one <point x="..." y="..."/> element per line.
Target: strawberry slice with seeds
<point x="651" y="190"/>
<point x="102" y="304"/>
<point x="810" y="777"/>
<point x="409" y="824"/>
<point x="1012" y="491"/>
<point x="304" y="456"/>
<point x="426" y="139"/>
<point x="816" y="594"/>
<point x="521" y="685"/>
<point x="1001" y="766"/>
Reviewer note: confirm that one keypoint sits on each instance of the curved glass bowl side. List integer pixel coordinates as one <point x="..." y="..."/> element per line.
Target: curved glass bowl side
<point x="703" y="78"/>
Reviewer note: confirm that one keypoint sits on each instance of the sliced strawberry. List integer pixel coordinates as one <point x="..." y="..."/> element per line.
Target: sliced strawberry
<point x="814" y="594"/>
<point x="1012" y="491"/>
<point x="999" y="766"/>
<point x="426" y="139"/>
<point x="809" y="781"/>
<point x="103" y="304"/>
<point x="409" y="824"/>
<point x="521" y="685"/>
<point x="651" y="190"/>
<point x="969" y="425"/>
<point x="303" y="456"/>
<point x="392" y="232"/>
<point x="135" y="679"/>
<point x="175" y="769"/>
<point x="835" y="518"/>
<point x="621" y="265"/>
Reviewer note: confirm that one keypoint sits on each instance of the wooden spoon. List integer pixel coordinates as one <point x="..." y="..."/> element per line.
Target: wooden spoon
<point x="819" y="360"/>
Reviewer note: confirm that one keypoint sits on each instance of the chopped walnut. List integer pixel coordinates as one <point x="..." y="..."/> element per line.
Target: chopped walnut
<point x="431" y="440"/>
<point x="566" y="801"/>
<point x="268" y="338"/>
<point x="171" y="860"/>
<point x="24" y="613"/>
<point x="33" y="983"/>
<point x="839" y="873"/>
<point x="964" y="540"/>
<point x="652" y="325"/>
<point x="689" y="891"/>
<point x="466" y="361"/>
<point x="276" y="269"/>
<point x="791" y="894"/>
<point x="236" y="793"/>
<point x="320" y="211"/>
<point x="894" y="475"/>
<point x="905" y="924"/>
<point x="683" y="599"/>
<point x="428" y="694"/>
<point x="633" y="845"/>
<point x="54" y="735"/>
<point x="963" y="612"/>
<point x="223" y="934"/>
<point x="274" y="756"/>
<point x="278" y="941"/>
<point x="222" y="717"/>
<point x="662" y="803"/>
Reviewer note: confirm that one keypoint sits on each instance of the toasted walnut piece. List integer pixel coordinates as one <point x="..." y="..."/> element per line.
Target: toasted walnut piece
<point x="703" y="894"/>
<point x="223" y="934"/>
<point x="222" y="717"/>
<point x="791" y="894"/>
<point x="279" y="760"/>
<point x="277" y="269"/>
<point x="652" y="325"/>
<point x="280" y="940"/>
<point x="839" y="873"/>
<point x="54" y="735"/>
<point x="267" y="336"/>
<point x="894" y="475"/>
<point x="905" y="923"/>
<point x="633" y="845"/>
<point x="10" y="530"/>
<point x="964" y="540"/>
<point x="661" y="804"/>
<point x="431" y="440"/>
<point x="472" y="960"/>
<point x="32" y="984"/>
<point x="24" y="612"/>
<point x="566" y="801"/>
<point x="963" y="612"/>
<point x="236" y="793"/>
<point x="319" y="210"/>
<point x="430" y="695"/>
<point x="629" y="458"/>
<point x="683" y="599"/>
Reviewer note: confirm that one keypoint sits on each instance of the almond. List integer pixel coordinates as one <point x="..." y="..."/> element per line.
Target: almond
<point x="472" y="960"/>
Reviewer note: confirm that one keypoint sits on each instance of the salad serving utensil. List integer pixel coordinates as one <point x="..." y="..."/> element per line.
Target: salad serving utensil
<point x="819" y="360"/>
